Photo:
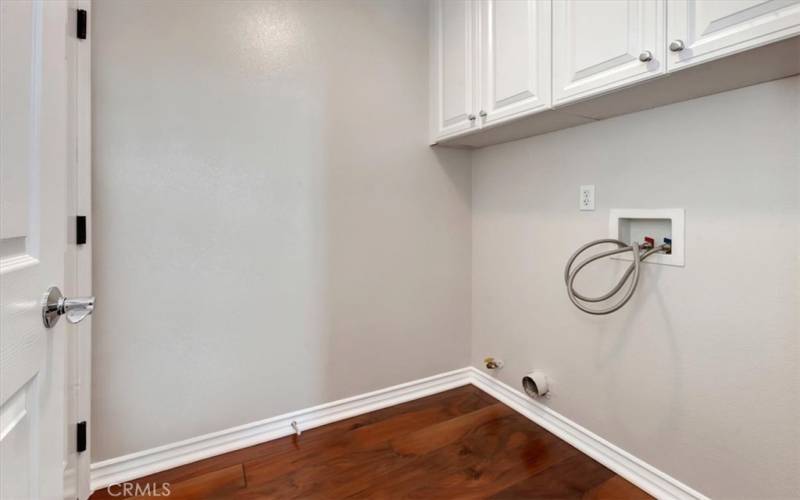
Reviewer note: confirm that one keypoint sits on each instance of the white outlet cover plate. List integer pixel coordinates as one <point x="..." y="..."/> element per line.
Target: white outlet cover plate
<point x="676" y="217"/>
<point x="589" y="190"/>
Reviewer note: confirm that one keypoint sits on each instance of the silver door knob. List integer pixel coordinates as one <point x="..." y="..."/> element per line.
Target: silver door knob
<point x="56" y="305"/>
<point x="676" y="46"/>
<point x="482" y="114"/>
<point x="471" y="118"/>
<point x="646" y="56"/>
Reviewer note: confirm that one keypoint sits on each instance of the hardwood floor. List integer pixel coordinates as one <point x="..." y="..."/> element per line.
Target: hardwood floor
<point x="458" y="444"/>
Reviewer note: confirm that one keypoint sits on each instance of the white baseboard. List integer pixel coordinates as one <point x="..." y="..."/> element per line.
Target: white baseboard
<point x="127" y="467"/>
<point x="643" y="475"/>
<point x="638" y="472"/>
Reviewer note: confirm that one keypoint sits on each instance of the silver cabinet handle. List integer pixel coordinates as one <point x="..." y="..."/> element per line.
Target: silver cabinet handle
<point x="471" y="118"/>
<point x="676" y="46"/>
<point x="483" y="114"/>
<point x="646" y="56"/>
<point x="56" y="305"/>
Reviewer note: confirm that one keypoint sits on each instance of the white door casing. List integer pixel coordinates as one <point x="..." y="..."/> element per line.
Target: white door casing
<point x="515" y="58"/>
<point x="78" y="265"/>
<point x="454" y="67"/>
<point x="710" y="30"/>
<point x="33" y="222"/>
<point x="597" y="46"/>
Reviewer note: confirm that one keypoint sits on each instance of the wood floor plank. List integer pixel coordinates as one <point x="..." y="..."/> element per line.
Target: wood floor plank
<point x="458" y="444"/>
<point x="314" y="469"/>
<point x="217" y="484"/>
<point x="572" y="478"/>
<point x="447" y="404"/>
<point x="616" y="488"/>
<point x="434" y="437"/>
<point x="492" y="456"/>
<point x="348" y="470"/>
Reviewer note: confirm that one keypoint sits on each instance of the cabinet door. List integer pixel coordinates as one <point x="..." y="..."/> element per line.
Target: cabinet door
<point x="709" y="30"/>
<point x="515" y="58"/>
<point x="453" y="67"/>
<point x="603" y="45"/>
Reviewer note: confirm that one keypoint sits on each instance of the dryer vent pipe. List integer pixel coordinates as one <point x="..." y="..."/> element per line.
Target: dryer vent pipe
<point x="535" y="384"/>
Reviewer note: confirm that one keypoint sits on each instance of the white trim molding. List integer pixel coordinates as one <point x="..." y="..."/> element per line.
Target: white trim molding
<point x="638" y="472"/>
<point x="142" y="463"/>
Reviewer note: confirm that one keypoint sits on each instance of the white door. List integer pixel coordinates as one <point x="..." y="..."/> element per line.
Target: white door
<point x="33" y="222"/>
<point x="701" y="30"/>
<point x="515" y="58"/>
<point x="603" y="45"/>
<point x="453" y="67"/>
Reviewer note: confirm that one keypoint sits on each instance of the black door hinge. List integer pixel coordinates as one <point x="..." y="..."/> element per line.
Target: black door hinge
<point x="80" y="229"/>
<point x="80" y="30"/>
<point x="80" y="438"/>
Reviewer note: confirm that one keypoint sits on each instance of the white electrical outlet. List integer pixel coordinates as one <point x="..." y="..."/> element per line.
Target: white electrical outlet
<point x="586" y="201"/>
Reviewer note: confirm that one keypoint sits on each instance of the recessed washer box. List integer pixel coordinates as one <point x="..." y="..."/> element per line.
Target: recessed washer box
<point x="633" y="224"/>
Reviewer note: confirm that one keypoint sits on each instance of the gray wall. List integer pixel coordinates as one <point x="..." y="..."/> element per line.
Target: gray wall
<point x="699" y="374"/>
<point x="272" y="232"/>
<point x="271" y="229"/>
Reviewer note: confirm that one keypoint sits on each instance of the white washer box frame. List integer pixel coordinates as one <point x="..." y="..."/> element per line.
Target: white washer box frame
<point x="676" y="218"/>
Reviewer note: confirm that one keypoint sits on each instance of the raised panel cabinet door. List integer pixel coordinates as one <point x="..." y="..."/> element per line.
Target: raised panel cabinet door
<point x="603" y="45"/>
<point x="453" y="67"/>
<point x="702" y="30"/>
<point x="515" y="58"/>
<point x="33" y="241"/>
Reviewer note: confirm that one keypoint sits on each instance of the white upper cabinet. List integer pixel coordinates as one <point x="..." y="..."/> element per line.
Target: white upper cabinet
<point x="526" y="67"/>
<point x="603" y="45"/>
<point x="701" y="30"/>
<point x="454" y="63"/>
<point x="515" y="58"/>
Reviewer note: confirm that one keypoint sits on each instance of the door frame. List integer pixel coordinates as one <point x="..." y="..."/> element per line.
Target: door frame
<point x="78" y="258"/>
